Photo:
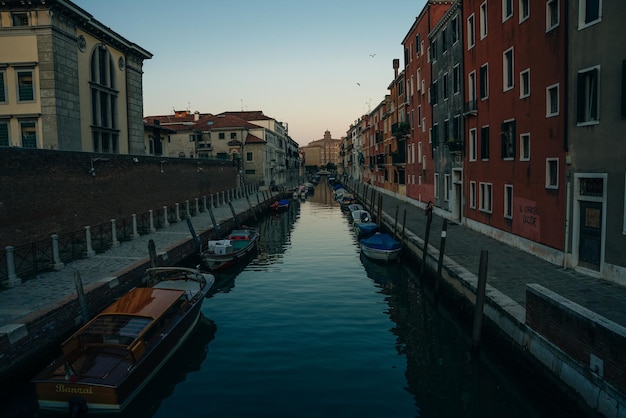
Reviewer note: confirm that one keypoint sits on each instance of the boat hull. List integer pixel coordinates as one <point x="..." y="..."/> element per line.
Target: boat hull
<point x="215" y="262"/>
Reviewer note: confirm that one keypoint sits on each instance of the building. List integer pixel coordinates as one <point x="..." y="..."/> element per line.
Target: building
<point x="322" y="152"/>
<point x="594" y="173"/>
<point x="67" y="81"/>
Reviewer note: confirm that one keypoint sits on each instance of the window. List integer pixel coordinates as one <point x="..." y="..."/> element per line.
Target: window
<point x="419" y="79"/>
<point x="3" y="89"/>
<point x="433" y="50"/>
<point x="552" y="14"/>
<point x="249" y="156"/>
<point x="472" y="196"/>
<point x="589" y="12"/>
<point x="456" y="79"/>
<point x="507" y="69"/>
<point x="484" y="143"/>
<point x="233" y="135"/>
<point x="524" y="148"/>
<point x="435" y="135"/>
<point x="446" y="130"/>
<point x="250" y="171"/>
<point x="454" y="29"/>
<point x="456" y="127"/>
<point x="552" y="100"/>
<point x="4" y="134"/>
<point x="588" y="96"/>
<point x="445" y="86"/>
<point x="507" y="9"/>
<point x="508" y="201"/>
<point x="419" y="152"/>
<point x="483" y="20"/>
<point x="436" y="185"/>
<point x="447" y="185"/>
<point x="471" y="87"/>
<point x="444" y="40"/>
<point x="433" y="93"/>
<point x="104" y="94"/>
<point x="485" y="197"/>
<point x="25" y="86"/>
<point x="552" y="173"/>
<point x="423" y="86"/>
<point x="20" y="19"/>
<point x="423" y="124"/>
<point x="417" y="45"/>
<point x="419" y="115"/>
<point x="524" y="81"/>
<point x="507" y="140"/>
<point x="28" y="132"/>
<point x="484" y="82"/>
<point x="471" y="40"/>
<point x="524" y="10"/>
<point x="221" y="135"/>
<point x="472" y="144"/>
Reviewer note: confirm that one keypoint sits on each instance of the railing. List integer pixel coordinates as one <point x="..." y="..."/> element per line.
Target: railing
<point x="38" y="257"/>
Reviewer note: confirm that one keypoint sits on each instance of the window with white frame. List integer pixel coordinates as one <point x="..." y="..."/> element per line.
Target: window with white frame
<point x="486" y="198"/>
<point x="552" y="100"/>
<point x="25" y="85"/>
<point x="524" y="81"/>
<point x="484" y="81"/>
<point x="28" y="133"/>
<point x="508" y="201"/>
<point x="472" y="144"/>
<point x="456" y="79"/>
<point x="471" y="86"/>
<point x="423" y="124"/>
<point x="552" y="14"/>
<point x="507" y="69"/>
<point x="552" y="173"/>
<point x="483" y="20"/>
<point x="454" y="29"/>
<point x="436" y="185"/>
<point x="419" y="152"/>
<point x="472" y="195"/>
<point x="419" y="79"/>
<point x="588" y="96"/>
<point x="524" y="10"/>
<point x="507" y="140"/>
<point x="447" y="186"/>
<point x="419" y="115"/>
<point x="3" y="87"/>
<point x="524" y="147"/>
<point x="589" y="13"/>
<point x="5" y="140"/>
<point x="471" y="37"/>
<point x="507" y="9"/>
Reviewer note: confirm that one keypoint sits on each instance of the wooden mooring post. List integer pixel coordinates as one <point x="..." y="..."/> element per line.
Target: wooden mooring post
<point x="395" y="224"/>
<point x="442" y="248"/>
<point x="480" y="301"/>
<point x="429" y="220"/>
<point x="81" y="296"/>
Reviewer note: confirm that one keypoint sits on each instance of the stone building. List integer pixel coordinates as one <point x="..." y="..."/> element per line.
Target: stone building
<point x="67" y="81"/>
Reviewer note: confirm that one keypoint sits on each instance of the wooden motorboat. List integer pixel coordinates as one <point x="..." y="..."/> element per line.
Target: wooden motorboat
<point x="381" y="247"/>
<point x="220" y="254"/>
<point x="106" y="363"/>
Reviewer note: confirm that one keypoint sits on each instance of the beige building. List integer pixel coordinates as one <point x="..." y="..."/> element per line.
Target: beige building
<point x="67" y="82"/>
<point x="322" y="152"/>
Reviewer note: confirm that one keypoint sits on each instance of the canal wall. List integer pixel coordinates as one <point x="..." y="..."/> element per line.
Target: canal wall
<point x="579" y="351"/>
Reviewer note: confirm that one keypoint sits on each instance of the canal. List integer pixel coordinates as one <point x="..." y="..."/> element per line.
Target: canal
<point x="310" y="328"/>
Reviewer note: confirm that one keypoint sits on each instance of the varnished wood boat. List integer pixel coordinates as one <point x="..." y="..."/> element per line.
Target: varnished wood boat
<point x="107" y="362"/>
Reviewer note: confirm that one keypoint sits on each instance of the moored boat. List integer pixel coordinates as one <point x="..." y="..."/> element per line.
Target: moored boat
<point x="280" y="205"/>
<point x="381" y="247"/>
<point x="220" y="254"/>
<point x="107" y="362"/>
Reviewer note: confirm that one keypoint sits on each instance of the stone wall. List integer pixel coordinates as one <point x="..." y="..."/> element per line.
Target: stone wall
<point x="52" y="192"/>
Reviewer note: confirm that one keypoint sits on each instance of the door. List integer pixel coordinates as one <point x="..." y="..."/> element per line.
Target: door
<point x="590" y="244"/>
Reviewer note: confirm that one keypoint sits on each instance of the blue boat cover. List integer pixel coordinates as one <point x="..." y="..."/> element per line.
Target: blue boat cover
<point x="367" y="227"/>
<point x="338" y="186"/>
<point x="381" y="241"/>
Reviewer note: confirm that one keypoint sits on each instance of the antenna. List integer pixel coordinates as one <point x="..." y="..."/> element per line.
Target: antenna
<point x="242" y="105"/>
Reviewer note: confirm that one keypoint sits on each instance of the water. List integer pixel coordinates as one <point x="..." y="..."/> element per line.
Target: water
<point x="310" y="328"/>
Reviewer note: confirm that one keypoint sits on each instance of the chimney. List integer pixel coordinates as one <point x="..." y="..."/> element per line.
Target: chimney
<point x="396" y="65"/>
<point x="196" y="116"/>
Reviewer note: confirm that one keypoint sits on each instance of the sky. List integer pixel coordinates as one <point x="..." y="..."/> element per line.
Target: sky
<point x="314" y="65"/>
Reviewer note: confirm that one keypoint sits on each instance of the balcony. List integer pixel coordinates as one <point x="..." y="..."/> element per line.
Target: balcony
<point x="455" y="145"/>
<point x="400" y="129"/>
<point x="470" y="108"/>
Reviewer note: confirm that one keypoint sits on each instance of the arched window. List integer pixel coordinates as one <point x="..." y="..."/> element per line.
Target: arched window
<point x="104" y="120"/>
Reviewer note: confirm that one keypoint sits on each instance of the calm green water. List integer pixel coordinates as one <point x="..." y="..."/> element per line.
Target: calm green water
<point x="309" y="328"/>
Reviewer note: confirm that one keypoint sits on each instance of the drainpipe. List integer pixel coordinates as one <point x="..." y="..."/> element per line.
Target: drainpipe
<point x="566" y="118"/>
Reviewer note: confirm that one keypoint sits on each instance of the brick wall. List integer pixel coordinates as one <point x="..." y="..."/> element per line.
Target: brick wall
<point x="51" y="192"/>
<point x="580" y="333"/>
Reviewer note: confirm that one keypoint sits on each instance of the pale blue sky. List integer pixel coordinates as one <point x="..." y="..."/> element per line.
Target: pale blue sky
<point x="297" y="61"/>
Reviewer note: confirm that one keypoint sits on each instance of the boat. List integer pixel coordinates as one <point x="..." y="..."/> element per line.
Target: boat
<point x="363" y="223"/>
<point x="223" y="253"/>
<point x="360" y="216"/>
<point x="354" y="206"/>
<point x="280" y="205"/>
<point x="107" y="362"/>
<point x="381" y="247"/>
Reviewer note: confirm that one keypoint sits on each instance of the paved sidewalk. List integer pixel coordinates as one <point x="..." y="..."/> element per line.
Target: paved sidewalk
<point x="511" y="269"/>
<point x="37" y="295"/>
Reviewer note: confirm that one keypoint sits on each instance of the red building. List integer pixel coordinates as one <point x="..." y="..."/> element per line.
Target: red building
<point x="514" y="68"/>
<point x="417" y="73"/>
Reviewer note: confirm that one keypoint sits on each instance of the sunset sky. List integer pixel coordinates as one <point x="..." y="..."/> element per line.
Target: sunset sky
<point x="316" y="65"/>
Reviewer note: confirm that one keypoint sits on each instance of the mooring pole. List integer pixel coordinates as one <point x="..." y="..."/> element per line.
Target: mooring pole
<point x="232" y="210"/>
<point x="403" y="225"/>
<point x="380" y="210"/>
<point x="429" y="220"/>
<point x="81" y="296"/>
<point x="250" y="207"/>
<point x="216" y="228"/>
<point x="152" y="253"/>
<point x="442" y="248"/>
<point x="395" y="224"/>
<point x="480" y="301"/>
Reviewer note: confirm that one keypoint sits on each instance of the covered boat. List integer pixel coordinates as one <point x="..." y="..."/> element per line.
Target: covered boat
<point x="381" y="246"/>
<point x="111" y="358"/>
<point x="220" y="254"/>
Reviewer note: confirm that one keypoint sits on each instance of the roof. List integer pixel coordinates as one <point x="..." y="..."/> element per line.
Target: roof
<point x="248" y="115"/>
<point x="144" y="301"/>
<point x="252" y="139"/>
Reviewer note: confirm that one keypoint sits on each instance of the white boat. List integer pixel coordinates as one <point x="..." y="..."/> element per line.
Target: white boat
<point x="381" y="247"/>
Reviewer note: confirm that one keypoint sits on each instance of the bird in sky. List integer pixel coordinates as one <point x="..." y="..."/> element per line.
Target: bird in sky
<point x="358" y="84"/>
<point x="372" y="55"/>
